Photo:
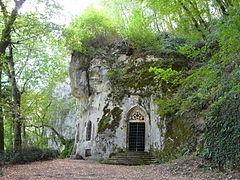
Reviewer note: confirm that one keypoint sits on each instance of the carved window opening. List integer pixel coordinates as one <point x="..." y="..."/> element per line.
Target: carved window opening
<point x="88" y="152"/>
<point x="137" y="116"/>
<point x="89" y="131"/>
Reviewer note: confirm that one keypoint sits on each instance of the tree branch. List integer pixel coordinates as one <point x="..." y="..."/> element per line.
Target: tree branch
<point x="4" y="10"/>
<point x="60" y="137"/>
<point x="223" y="9"/>
<point x="18" y="4"/>
<point x="5" y="37"/>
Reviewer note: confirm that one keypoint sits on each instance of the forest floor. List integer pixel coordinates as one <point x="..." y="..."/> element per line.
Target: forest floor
<point x="186" y="168"/>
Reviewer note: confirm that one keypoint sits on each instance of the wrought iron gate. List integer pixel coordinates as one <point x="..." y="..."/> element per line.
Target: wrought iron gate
<point x="136" y="136"/>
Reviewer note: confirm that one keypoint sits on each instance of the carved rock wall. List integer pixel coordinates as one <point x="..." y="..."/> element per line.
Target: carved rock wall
<point x="109" y="119"/>
<point x="64" y="115"/>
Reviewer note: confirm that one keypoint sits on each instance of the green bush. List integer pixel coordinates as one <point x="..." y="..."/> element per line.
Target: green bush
<point x="91" y="29"/>
<point x="67" y="150"/>
<point x="139" y="31"/>
<point x="28" y="155"/>
<point x="223" y="131"/>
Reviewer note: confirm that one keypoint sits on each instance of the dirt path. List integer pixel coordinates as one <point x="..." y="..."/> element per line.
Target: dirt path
<point x="79" y="169"/>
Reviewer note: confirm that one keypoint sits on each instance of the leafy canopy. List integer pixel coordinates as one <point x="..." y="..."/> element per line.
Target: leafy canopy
<point x="90" y="29"/>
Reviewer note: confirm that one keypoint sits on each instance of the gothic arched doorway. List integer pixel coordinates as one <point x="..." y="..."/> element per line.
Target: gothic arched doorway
<point x="136" y="130"/>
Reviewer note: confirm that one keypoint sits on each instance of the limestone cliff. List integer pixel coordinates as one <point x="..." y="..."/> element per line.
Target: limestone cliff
<point x="105" y="115"/>
<point x="63" y="117"/>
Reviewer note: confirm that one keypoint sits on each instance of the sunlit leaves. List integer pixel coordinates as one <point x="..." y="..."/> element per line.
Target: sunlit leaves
<point x="90" y="29"/>
<point x="230" y="32"/>
<point x="139" y="31"/>
<point x="39" y="61"/>
<point x="168" y="75"/>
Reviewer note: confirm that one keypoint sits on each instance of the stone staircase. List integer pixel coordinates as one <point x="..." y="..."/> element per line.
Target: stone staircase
<point x="131" y="158"/>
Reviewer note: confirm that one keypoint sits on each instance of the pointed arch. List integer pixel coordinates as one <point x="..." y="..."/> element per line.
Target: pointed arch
<point x="136" y="113"/>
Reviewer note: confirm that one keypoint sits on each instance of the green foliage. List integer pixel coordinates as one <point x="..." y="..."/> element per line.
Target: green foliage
<point x="168" y="75"/>
<point x="39" y="57"/>
<point x="210" y="91"/>
<point x="177" y="136"/>
<point x="134" y="23"/>
<point x="138" y="30"/>
<point x="166" y="106"/>
<point x="91" y="29"/>
<point x="223" y="130"/>
<point x="229" y="30"/>
<point x="28" y="155"/>
<point x="44" y="108"/>
<point x="38" y="60"/>
<point x="169" y="80"/>
<point x="191" y="51"/>
<point x="66" y="153"/>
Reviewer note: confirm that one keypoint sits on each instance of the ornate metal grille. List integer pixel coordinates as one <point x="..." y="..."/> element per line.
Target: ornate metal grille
<point x="137" y="116"/>
<point x="136" y="136"/>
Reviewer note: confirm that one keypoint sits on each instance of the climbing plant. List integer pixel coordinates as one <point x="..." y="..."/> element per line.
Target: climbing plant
<point x="222" y="129"/>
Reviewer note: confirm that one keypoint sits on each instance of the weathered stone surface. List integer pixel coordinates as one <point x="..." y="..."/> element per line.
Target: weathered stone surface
<point x="110" y="119"/>
<point x="79" y="76"/>
<point x="64" y="115"/>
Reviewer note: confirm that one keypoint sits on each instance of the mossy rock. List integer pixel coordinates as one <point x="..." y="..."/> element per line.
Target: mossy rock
<point x="176" y="138"/>
<point x="110" y="119"/>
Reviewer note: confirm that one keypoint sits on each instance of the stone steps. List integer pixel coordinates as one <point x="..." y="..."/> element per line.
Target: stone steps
<point x="131" y="158"/>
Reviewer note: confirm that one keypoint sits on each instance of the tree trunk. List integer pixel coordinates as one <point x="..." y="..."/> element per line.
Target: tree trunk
<point x="195" y="22"/>
<point x="221" y="5"/>
<point x="4" y="43"/>
<point x="156" y="22"/>
<point x="16" y="111"/>
<point x="24" y="135"/>
<point x="1" y="114"/>
<point x="201" y="20"/>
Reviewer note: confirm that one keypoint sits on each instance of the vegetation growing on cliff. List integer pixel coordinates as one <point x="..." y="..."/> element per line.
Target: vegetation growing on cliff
<point x="90" y="30"/>
<point x="110" y="119"/>
<point x="196" y="73"/>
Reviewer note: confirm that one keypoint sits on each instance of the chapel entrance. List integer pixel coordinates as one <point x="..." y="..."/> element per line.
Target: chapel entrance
<point x="136" y="136"/>
<point x="136" y="130"/>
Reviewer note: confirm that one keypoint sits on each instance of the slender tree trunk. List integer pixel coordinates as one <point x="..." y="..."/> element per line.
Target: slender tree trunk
<point x="10" y="139"/>
<point x="16" y="95"/>
<point x="169" y="22"/>
<point x="195" y="22"/>
<point x="24" y="135"/>
<point x="222" y="7"/>
<point x="201" y="20"/>
<point x="4" y="43"/>
<point x="229" y="3"/>
<point x="190" y="14"/>
<point x="156" y="22"/>
<point x="1" y="114"/>
<point x="61" y="138"/>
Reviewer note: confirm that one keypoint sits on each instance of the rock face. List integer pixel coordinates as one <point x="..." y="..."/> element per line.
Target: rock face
<point x="64" y="115"/>
<point x="106" y="126"/>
